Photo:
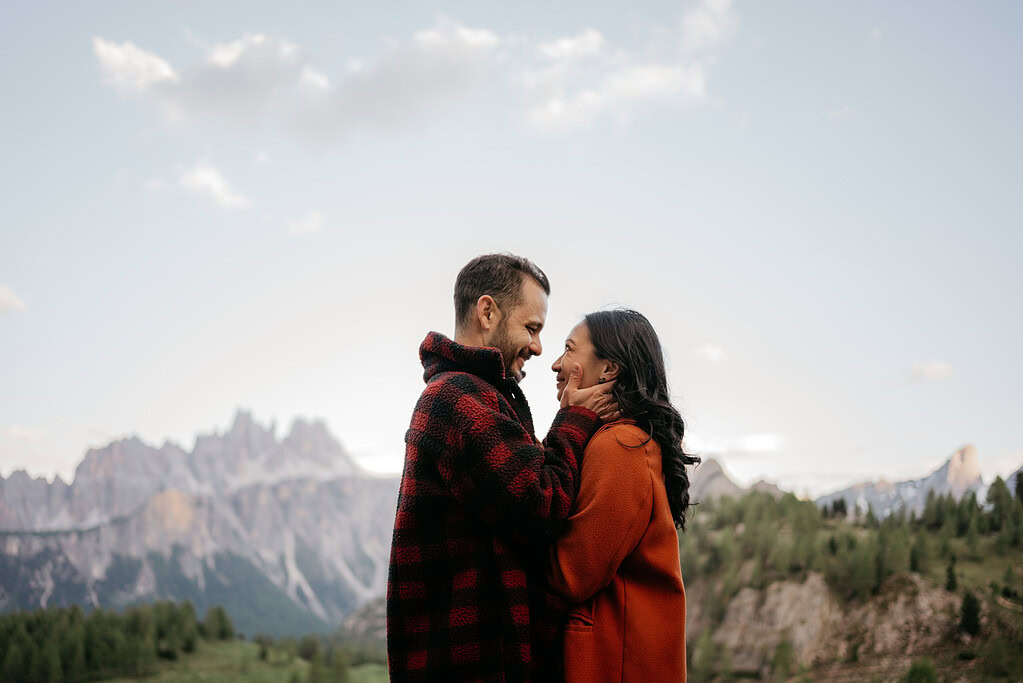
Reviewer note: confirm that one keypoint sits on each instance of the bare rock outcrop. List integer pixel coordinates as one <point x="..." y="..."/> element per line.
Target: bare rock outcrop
<point x="806" y="614"/>
<point x="910" y="616"/>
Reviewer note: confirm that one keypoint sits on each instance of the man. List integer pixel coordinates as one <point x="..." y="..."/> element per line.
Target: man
<point x="480" y="495"/>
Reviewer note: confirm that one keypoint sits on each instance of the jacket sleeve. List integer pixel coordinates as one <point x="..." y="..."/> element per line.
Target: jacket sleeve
<point x="489" y="461"/>
<point x="612" y="512"/>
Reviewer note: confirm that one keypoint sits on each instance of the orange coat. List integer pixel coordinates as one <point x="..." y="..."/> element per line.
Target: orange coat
<point x="618" y="561"/>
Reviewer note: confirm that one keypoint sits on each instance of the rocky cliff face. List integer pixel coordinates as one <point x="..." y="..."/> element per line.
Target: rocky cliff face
<point x="910" y="616"/>
<point x="959" y="475"/>
<point x="290" y="535"/>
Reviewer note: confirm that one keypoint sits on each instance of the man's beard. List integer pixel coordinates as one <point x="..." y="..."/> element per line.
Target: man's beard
<point x="509" y="353"/>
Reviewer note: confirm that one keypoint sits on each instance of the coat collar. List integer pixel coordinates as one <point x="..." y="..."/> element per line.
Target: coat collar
<point x="440" y="354"/>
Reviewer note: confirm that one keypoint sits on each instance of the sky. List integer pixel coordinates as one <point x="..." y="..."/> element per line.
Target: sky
<point x="214" y="206"/>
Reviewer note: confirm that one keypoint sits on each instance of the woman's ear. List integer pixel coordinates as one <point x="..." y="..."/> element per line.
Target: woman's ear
<point x="610" y="370"/>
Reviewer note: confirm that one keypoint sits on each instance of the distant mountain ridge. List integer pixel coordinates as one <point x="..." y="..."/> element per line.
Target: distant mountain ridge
<point x="709" y="480"/>
<point x="959" y="475"/>
<point x="291" y="535"/>
<point x="114" y="480"/>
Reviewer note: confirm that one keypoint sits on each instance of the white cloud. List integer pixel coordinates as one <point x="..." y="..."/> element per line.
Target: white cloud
<point x="314" y="79"/>
<point x="578" y="80"/>
<point x="711" y="352"/>
<point x="313" y="222"/>
<point x="586" y="44"/>
<point x="708" y="25"/>
<point x="206" y="180"/>
<point x="129" y="68"/>
<point x="749" y="444"/>
<point x="930" y="370"/>
<point x="19" y="433"/>
<point x="261" y="158"/>
<point x="258" y="78"/>
<point x="568" y="83"/>
<point x="9" y="301"/>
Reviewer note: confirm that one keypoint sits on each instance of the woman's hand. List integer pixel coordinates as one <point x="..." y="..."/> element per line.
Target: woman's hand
<point x="597" y="398"/>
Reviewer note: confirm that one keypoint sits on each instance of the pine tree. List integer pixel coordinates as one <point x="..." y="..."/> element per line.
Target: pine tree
<point x="919" y="553"/>
<point x="217" y="625"/>
<point x="950" y="576"/>
<point x="1000" y="500"/>
<point x="871" y="520"/>
<point x="74" y="665"/>
<point x="51" y="663"/>
<point x="972" y="535"/>
<point x="1017" y="524"/>
<point x="14" y="667"/>
<point x="969" y="621"/>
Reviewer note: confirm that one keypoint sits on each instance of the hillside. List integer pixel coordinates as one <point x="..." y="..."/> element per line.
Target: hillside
<point x="775" y="587"/>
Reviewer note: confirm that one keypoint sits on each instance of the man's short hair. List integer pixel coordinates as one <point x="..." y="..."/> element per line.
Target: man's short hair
<point x="499" y="275"/>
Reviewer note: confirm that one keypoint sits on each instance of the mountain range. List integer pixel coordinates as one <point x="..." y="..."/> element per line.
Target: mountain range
<point x="290" y="535"/>
<point x="958" y="475"/>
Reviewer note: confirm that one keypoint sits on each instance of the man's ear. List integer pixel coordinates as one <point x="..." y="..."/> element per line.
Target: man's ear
<point x="487" y="312"/>
<point x="610" y="370"/>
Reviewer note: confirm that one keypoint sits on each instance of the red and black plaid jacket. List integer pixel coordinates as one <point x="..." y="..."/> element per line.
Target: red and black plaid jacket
<point x="480" y="498"/>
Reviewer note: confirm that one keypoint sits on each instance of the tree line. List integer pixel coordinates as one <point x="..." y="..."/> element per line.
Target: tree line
<point x="67" y="645"/>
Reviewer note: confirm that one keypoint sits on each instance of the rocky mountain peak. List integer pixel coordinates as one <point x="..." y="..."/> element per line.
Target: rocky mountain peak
<point x="962" y="469"/>
<point x="126" y="454"/>
<point x="958" y="475"/>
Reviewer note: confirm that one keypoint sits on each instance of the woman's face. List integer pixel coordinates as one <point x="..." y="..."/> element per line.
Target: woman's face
<point x="578" y="349"/>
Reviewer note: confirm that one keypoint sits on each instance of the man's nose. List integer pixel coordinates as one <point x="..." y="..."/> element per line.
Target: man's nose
<point x="536" y="347"/>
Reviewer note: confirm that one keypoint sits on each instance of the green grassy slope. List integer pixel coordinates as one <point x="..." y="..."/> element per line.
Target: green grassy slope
<point x="238" y="662"/>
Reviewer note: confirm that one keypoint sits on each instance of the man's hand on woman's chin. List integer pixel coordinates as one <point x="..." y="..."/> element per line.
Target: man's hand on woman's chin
<point x="597" y="398"/>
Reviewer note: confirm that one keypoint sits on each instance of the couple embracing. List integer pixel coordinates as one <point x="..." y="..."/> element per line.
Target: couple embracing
<point x="516" y="559"/>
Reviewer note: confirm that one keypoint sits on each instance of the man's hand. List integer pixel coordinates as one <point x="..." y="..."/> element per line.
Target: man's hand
<point x="597" y="398"/>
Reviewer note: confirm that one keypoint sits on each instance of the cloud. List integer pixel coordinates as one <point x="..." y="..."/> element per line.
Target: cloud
<point x="19" y="433"/>
<point x="708" y="25"/>
<point x="434" y="67"/>
<point x="206" y="180"/>
<point x="930" y="370"/>
<point x="571" y="82"/>
<point x="588" y="43"/>
<point x="579" y="80"/>
<point x="711" y="352"/>
<point x="259" y="78"/>
<point x="10" y="302"/>
<point x="749" y="444"/>
<point x="313" y="222"/>
<point x="130" y="69"/>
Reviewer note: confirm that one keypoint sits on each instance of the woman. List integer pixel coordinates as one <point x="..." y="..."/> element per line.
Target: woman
<point x="618" y="561"/>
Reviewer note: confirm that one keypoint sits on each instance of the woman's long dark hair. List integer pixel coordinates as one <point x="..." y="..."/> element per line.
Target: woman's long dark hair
<point x="627" y="338"/>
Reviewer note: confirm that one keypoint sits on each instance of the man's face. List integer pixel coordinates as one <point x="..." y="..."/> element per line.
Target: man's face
<point x="517" y="335"/>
